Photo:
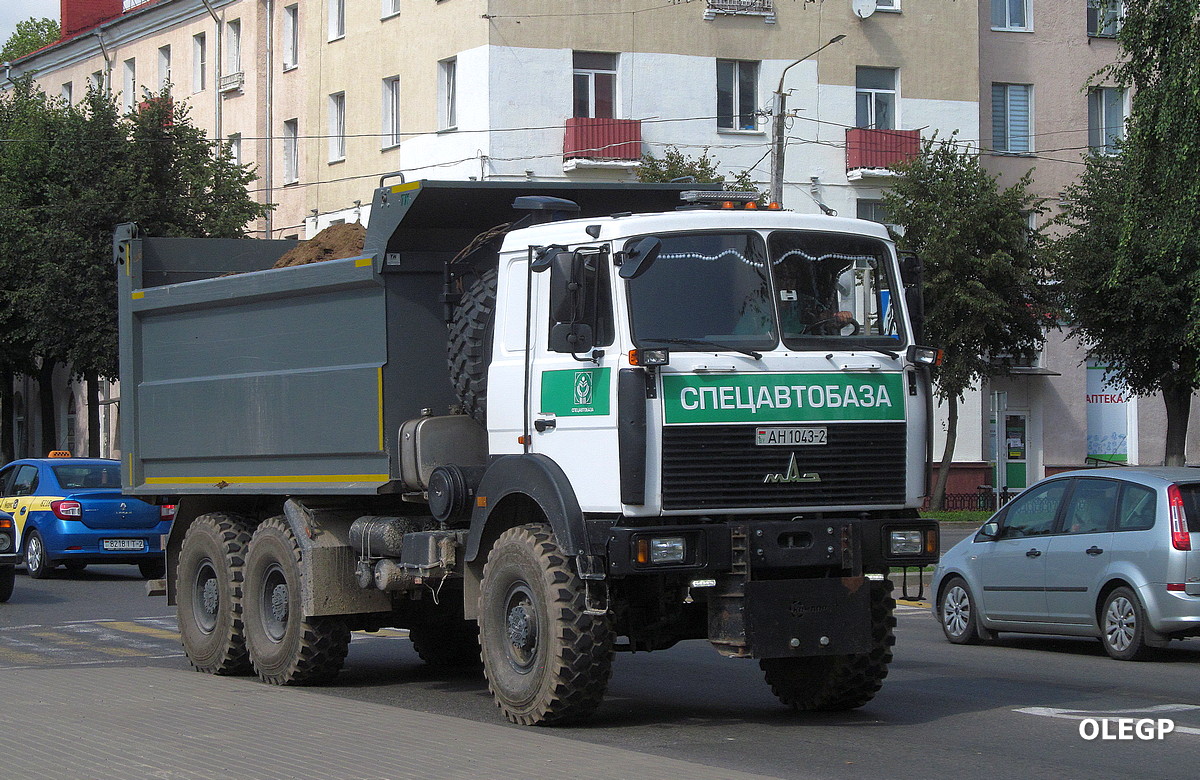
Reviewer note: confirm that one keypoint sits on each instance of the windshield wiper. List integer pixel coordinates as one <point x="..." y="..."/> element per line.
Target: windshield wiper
<point x="705" y="343"/>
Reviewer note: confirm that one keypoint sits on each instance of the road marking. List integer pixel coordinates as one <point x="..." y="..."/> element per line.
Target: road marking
<point x="65" y="640"/>
<point x="134" y="628"/>
<point x="1054" y="712"/>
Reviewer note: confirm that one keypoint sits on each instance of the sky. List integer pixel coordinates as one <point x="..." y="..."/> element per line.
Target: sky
<point x="13" y="11"/>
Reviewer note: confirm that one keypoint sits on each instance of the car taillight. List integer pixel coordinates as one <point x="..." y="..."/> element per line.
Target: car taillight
<point x="1181" y="539"/>
<point x="66" y="510"/>
<point x="167" y="511"/>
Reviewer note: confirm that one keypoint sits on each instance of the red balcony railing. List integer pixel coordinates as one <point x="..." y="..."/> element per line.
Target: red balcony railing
<point x="603" y="139"/>
<point x="866" y="148"/>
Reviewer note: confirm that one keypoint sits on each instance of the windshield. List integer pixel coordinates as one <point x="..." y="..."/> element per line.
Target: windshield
<point x="833" y="286"/>
<point x="706" y="287"/>
<point x="716" y="289"/>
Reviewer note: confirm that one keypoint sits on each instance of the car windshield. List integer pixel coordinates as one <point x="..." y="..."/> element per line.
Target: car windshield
<point x="818" y="290"/>
<point x="88" y="476"/>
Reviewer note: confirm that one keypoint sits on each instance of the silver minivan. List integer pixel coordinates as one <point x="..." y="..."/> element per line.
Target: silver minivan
<point x="1112" y="553"/>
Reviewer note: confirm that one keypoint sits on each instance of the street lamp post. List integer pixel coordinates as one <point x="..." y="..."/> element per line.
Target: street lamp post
<point x="777" y="114"/>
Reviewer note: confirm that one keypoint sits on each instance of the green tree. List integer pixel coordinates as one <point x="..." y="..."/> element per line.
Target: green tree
<point x="76" y="172"/>
<point x="674" y="164"/>
<point x="1129" y="259"/>
<point x="983" y="279"/>
<point x="30" y="35"/>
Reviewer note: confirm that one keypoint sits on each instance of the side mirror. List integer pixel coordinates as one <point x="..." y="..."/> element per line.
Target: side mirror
<point x="566" y="283"/>
<point x="639" y="257"/>
<point x="990" y="530"/>
<point x="573" y="337"/>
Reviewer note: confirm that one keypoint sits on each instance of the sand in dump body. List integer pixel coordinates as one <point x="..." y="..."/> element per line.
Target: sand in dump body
<point x="333" y="243"/>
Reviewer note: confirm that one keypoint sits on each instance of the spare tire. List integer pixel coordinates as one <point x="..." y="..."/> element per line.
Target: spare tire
<point x="470" y="346"/>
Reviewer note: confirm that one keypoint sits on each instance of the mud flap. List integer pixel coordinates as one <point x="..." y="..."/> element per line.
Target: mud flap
<point x="795" y="618"/>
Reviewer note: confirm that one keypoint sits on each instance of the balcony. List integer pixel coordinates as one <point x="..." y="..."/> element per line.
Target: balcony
<point x="602" y="143"/>
<point x="871" y="153"/>
<point x="232" y="82"/>
<point x="763" y="8"/>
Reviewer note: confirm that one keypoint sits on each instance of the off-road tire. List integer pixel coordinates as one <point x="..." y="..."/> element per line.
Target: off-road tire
<point x="546" y="660"/>
<point x="285" y="647"/>
<point x="8" y="580"/>
<point x="470" y="344"/>
<point x="448" y="644"/>
<point x="208" y="584"/>
<point x="838" y="682"/>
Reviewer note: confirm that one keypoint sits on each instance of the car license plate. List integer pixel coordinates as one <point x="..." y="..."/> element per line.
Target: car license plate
<point x="123" y="544"/>
<point x="790" y="437"/>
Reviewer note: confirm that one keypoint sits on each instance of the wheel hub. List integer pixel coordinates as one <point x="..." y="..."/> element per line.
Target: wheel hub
<point x="279" y="603"/>
<point x="275" y="603"/>
<point x="521" y="628"/>
<point x="206" y="597"/>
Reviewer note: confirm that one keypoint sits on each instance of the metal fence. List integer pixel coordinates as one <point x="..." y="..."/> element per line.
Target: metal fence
<point x="979" y="501"/>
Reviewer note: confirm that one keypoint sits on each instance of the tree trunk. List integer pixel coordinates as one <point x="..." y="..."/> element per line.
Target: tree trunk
<point x="49" y="426"/>
<point x="938" y="499"/>
<point x="93" y="414"/>
<point x="8" y="437"/>
<point x="1178" y="402"/>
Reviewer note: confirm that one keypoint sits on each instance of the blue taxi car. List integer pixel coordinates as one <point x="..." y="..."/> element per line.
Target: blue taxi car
<point x="71" y="511"/>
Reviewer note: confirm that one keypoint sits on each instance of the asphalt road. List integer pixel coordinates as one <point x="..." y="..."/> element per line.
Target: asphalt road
<point x="1009" y="710"/>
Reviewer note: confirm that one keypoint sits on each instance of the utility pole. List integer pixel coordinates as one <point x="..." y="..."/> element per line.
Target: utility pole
<point x="778" y="143"/>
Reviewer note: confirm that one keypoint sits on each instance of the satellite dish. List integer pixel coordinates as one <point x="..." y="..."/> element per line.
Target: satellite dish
<point x="863" y="8"/>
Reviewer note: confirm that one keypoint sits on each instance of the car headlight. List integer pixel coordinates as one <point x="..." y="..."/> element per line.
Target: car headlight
<point x="5" y="543"/>
<point x="906" y="543"/>
<point x="660" y="550"/>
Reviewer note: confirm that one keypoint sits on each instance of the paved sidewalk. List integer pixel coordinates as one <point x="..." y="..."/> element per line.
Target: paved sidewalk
<point x="121" y="723"/>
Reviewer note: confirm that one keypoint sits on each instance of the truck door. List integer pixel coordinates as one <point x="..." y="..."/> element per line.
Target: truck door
<point x="573" y="393"/>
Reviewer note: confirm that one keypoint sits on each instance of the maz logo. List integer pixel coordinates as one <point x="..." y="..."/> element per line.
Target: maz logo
<point x="793" y="474"/>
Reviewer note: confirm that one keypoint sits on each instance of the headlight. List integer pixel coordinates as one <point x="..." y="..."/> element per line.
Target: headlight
<point x="5" y="543"/>
<point x="905" y="543"/>
<point x="660" y="550"/>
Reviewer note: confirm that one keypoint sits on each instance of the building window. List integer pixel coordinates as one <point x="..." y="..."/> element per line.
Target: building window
<point x="233" y="46"/>
<point x="1104" y="18"/>
<point x="337" y="19"/>
<point x="68" y="93"/>
<point x="164" y="67"/>
<point x="1011" y="118"/>
<point x="872" y="210"/>
<point x="1106" y="119"/>
<point x="1011" y="15"/>
<point x="875" y="96"/>
<point x="595" y="78"/>
<point x="129" y="93"/>
<point x="447" y="97"/>
<point x="97" y="80"/>
<point x="887" y="5"/>
<point x="337" y="127"/>
<point x="389" y="8"/>
<point x="737" y="95"/>
<point x="291" y="151"/>
<point x="391" y="112"/>
<point x="199" y="62"/>
<point x="235" y="148"/>
<point x="291" y="36"/>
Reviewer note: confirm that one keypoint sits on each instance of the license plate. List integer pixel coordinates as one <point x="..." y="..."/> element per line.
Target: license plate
<point x="790" y="437"/>
<point x="123" y="544"/>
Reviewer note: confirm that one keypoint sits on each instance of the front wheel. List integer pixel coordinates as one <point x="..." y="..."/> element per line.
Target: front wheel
<point x="1123" y="625"/>
<point x="547" y="660"/>
<point x="8" y="579"/>
<point x="286" y="648"/>
<point x="838" y="682"/>
<point x="36" y="562"/>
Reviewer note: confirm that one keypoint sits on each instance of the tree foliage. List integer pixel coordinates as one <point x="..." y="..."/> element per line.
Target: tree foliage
<point x="674" y="164"/>
<point x="1129" y="257"/>
<point x="29" y="36"/>
<point x="68" y="175"/>
<point x="984" y="291"/>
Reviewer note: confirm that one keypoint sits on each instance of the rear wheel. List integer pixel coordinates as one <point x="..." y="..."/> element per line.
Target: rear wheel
<point x="152" y="569"/>
<point x="36" y="562"/>
<point x="838" y="682"/>
<point x="209" y="593"/>
<point x="1123" y="625"/>
<point x="957" y="613"/>
<point x="286" y="648"/>
<point x="546" y="660"/>
<point x="8" y="579"/>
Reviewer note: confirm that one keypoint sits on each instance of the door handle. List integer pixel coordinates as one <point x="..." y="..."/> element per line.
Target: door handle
<point x="1094" y="550"/>
<point x="1033" y="553"/>
<point x="544" y="425"/>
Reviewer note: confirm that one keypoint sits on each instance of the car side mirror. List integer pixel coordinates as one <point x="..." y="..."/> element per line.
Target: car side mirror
<point x="990" y="530"/>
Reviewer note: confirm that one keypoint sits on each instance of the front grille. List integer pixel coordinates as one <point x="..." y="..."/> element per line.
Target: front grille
<point x="721" y="467"/>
